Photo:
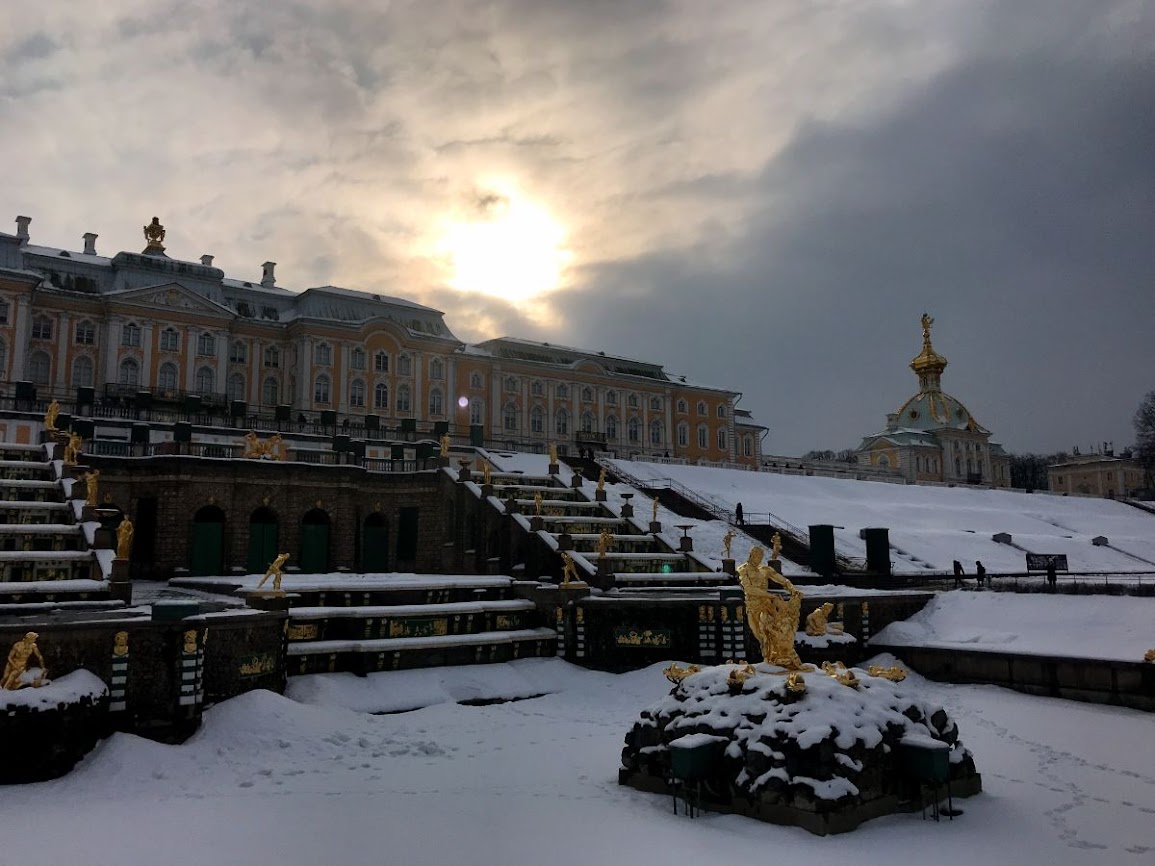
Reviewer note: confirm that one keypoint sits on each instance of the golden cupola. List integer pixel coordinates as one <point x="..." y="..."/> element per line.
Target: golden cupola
<point x="929" y="364"/>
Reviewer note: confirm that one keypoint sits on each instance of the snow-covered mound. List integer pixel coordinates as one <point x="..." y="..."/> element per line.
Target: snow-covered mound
<point x="831" y="748"/>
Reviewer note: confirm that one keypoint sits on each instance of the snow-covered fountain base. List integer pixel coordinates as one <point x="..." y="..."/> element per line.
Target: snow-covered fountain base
<point x="819" y="754"/>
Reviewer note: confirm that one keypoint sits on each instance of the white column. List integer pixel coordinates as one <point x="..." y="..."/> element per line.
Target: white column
<point x="418" y="399"/>
<point x="146" y="365"/>
<point x="305" y="373"/>
<point x="23" y="322"/>
<point x="62" y="335"/>
<point x="111" y="343"/>
<point x="256" y="362"/>
<point x="223" y="349"/>
<point x="191" y="338"/>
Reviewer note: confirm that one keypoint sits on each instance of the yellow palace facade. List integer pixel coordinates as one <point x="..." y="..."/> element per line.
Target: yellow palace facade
<point x="146" y="328"/>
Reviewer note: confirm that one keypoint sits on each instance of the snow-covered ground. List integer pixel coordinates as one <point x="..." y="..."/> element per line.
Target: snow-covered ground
<point x="272" y="781"/>
<point x="932" y="526"/>
<point x="1090" y="626"/>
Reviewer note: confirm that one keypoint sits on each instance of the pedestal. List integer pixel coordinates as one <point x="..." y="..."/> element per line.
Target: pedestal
<point x="655" y="526"/>
<point x="685" y="544"/>
<point x="486" y="489"/>
<point x="575" y="587"/>
<point x="271" y="599"/>
<point x="511" y="506"/>
<point x="627" y="510"/>
<point x="565" y="541"/>
<point x="463" y="474"/>
<point x="536" y="524"/>
<point x="729" y="567"/>
<point x="120" y="590"/>
<point x="576" y="481"/>
<point x="600" y="496"/>
<point x="442" y="461"/>
<point x="603" y="568"/>
<point x="554" y="469"/>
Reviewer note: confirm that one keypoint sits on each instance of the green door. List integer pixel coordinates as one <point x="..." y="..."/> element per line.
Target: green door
<point x="207" y="546"/>
<point x="262" y="544"/>
<point x="314" y="548"/>
<point x="375" y="546"/>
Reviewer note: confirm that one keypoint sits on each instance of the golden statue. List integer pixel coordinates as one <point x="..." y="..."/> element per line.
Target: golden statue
<point x="676" y="674"/>
<point x="444" y="444"/>
<point x="18" y="657"/>
<point x="275" y="447"/>
<point x="569" y="569"/>
<point x="840" y="672"/>
<point x="738" y="676"/>
<point x="1149" y="656"/>
<point x="776" y="547"/>
<point x="190" y="641"/>
<point x="927" y="322"/>
<point x="50" y="416"/>
<point x="654" y="515"/>
<point x="893" y="673"/>
<point x="252" y="445"/>
<point x="552" y="453"/>
<point x="486" y="476"/>
<point x="72" y="448"/>
<point x="816" y="624"/>
<point x="120" y="644"/>
<point x="124" y="534"/>
<point x="537" y="500"/>
<point x="91" y="480"/>
<point x="773" y="620"/>
<point x="726" y="540"/>
<point x="795" y="683"/>
<point x="604" y="541"/>
<point x="274" y="571"/>
<point x="602" y="479"/>
<point x="154" y="234"/>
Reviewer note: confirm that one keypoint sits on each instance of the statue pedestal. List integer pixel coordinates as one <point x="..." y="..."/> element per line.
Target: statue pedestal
<point x="599" y="496"/>
<point x="442" y="460"/>
<point x="554" y="469"/>
<point x="536" y="524"/>
<point x="576" y="481"/>
<point x="685" y="544"/>
<point x="565" y="541"/>
<point x="511" y="506"/>
<point x="119" y="583"/>
<point x="655" y="526"/>
<point x="463" y="474"/>
<point x="269" y="599"/>
<point x="486" y="489"/>
<point x="603" y="569"/>
<point x="627" y="510"/>
<point x="575" y="586"/>
<point x="728" y="566"/>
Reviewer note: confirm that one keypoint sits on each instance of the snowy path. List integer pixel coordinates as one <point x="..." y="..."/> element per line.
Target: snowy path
<point x="271" y="781"/>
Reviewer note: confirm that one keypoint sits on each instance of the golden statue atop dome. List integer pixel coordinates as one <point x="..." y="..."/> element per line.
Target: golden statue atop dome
<point x="929" y="364"/>
<point x="154" y="234"/>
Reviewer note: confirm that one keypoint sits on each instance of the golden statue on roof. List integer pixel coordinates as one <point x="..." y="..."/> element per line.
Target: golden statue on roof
<point x="927" y="322"/>
<point x="154" y="234"/>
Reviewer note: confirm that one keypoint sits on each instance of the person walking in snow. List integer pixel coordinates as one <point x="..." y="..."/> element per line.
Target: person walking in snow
<point x="980" y="573"/>
<point x="958" y="574"/>
<point x="738" y="518"/>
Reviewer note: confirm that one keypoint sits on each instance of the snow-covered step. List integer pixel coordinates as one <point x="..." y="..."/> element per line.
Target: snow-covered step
<point x="347" y="590"/>
<point x="39" y="528"/>
<point x="412" y="620"/>
<point x="673" y="578"/>
<point x="28" y="484"/>
<point x="48" y="591"/>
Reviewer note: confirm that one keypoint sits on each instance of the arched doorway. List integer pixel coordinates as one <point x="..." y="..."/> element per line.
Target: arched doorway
<point x="263" y="536"/>
<point x="208" y="541"/>
<point x="315" y="542"/>
<point x="375" y="544"/>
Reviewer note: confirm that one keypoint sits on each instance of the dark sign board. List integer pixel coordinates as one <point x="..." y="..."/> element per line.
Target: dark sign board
<point x="1040" y="561"/>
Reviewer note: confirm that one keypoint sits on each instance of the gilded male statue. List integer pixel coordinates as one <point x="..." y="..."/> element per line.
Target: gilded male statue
<point x="274" y="571"/>
<point x="21" y="653"/>
<point x="124" y="533"/>
<point x="773" y="620"/>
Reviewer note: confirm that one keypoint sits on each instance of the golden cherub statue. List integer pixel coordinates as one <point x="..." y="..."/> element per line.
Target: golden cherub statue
<point x="18" y="657"/>
<point x="444" y="444"/>
<point x="253" y="448"/>
<point x="773" y="620"/>
<point x="675" y="674"/>
<point x="1149" y="656"/>
<point x="602" y="479"/>
<point x="569" y="569"/>
<point x="604" y="541"/>
<point x="537" y="500"/>
<point x="737" y="676"/>
<point x="50" y="416"/>
<point x="124" y="534"/>
<point x="840" y="672"/>
<point x="72" y="448"/>
<point x="776" y="547"/>
<point x="552" y="453"/>
<point x="795" y="683"/>
<point x="894" y="672"/>
<point x="154" y="234"/>
<point x="275" y="447"/>
<point x="486" y="473"/>
<point x="274" y="571"/>
<point x="727" y="539"/>
<point x="816" y="624"/>
<point x="91" y="486"/>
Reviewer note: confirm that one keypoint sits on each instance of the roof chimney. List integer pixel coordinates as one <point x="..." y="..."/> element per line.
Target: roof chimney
<point x="90" y="243"/>
<point x="207" y="261"/>
<point x="267" y="278"/>
<point x="22" y="227"/>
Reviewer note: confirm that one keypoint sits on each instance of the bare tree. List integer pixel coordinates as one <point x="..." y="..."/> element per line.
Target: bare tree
<point x="1145" y="437"/>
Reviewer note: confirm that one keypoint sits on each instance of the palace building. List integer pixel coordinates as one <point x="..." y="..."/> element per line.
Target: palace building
<point x="148" y="329"/>
<point x="933" y="437"/>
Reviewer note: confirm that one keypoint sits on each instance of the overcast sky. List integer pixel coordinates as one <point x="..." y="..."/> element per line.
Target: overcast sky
<point x="762" y="195"/>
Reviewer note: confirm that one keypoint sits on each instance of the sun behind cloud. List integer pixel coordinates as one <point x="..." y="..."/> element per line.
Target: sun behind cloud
<point x="507" y="247"/>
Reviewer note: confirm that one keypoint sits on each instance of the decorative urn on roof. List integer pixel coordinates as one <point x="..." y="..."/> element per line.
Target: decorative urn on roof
<point x="154" y="234"/>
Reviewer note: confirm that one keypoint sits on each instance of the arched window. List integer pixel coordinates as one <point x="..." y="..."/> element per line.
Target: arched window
<point x="404" y="404"/>
<point x="271" y="392"/>
<point x="634" y="430"/>
<point x="85" y="333"/>
<point x="703" y="436"/>
<point x="436" y="403"/>
<point x="3" y="360"/>
<point x="633" y="401"/>
<point x="82" y="372"/>
<point x="40" y="368"/>
<point x="42" y="328"/>
<point x="721" y="438"/>
<point x="561" y="422"/>
<point x="129" y="373"/>
<point x="957" y="467"/>
<point x="682" y="406"/>
<point x="474" y="380"/>
<point x="748" y="446"/>
<point x="656" y="404"/>
<point x="357" y="393"/>
<point x="381" y="396"/>
<point x="683" y="434"/>
<point x="321" y="389"/>
<point x="272" y="357"/>
<point x="405" y="365"/>
<point x="206" y="344"/>
<point x="587" y="395"/>
<point x="381" y="362"/>
<point x="357" y="359"/>
<point x="476" y="412"/>
<point x="436" y="369"/>
<point x="537" y="389"/>
<point x="206" y="380"/>
<point x="166" y="376"/>
<point x="129" y="335"/>
<point x="611" y="398"/>
<point x="587" y="422"/>
<point x="721" y="410"/>
<point x="323" y="356"/>
<point x="537" y="419"/>
<point x="238" y="352"/>
<point x="701" y="407"/>
<point x="612" y="428"/>
<point x="657" y="435"/>
<point x="563" y="392"/>
<point x="169" y="340"/>
<point x="511" y="385"/>
<point x="509" y="416"/>
<point x="235" y="389"/>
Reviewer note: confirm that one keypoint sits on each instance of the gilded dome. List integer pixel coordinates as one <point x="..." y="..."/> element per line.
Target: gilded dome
<point x="933" y="410"/>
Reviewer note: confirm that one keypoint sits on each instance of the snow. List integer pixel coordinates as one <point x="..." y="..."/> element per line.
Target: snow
<point x="1088" y="626"/>
<point x="68" y="689"/>
<point x="272" y="782"/>
<point x="352" y="582"/>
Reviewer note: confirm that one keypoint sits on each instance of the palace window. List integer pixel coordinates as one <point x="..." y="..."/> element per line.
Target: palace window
<point x="655" y="404"/>
<point x="587" y="422"/>
<point x="235" y="389"/>
<point x="511" y="385"/>
<point x="537" y="389"/>
<point x="509" y="416"/>
<point x="271" y="392"/>
<point x="612" y="428"/>
<point x="42" y="328"/>
<point x="4" y="312"/>
<point x="702" y="407"/>
<point x="321" y="389"/>
<point x="357" y="394"/>
<point x="272" y="357"/>
<point x="85" y="333"/>
<point x="206" y="380"/>
<point x="721" y="438"/>
<point x="381" y="396"/>
<point x="682" y="407"/>
<point x="633" y="401"/>
<point x="537" y="420"/>
<point x="634" y="430"/>
<point x="357" y="359"/>
<point x="611" y="398"/>
<point x="166" y="376"/>
<point x="404" y="365"/>
<point x="563" y="392"/>
<point x="323" y="355"/>
<point x="3" y="359"/>
<point x="748" y="446"/>
<point x="561" y="423"/>
<point x="206" y="345"/>
<point x="683" y="434"/>
<point x="82" y="372"/>
<point x="436" y="369"/>
<point x="703" y="436"/>
<point x="404" y="403"/>
<point x="436" y="402"/>
<point x="657" y="436"/>
<point x="381" y="362"/>
<point x="721" y="410"/>
<point x="129" y="373"/>
<point x="587" y="395"/>
<point x="238" y="352"/>
<point x="40" y="368"/>
<point x="476" y="411"/>
<point x="169" y="340"/>
<point x="129" y="336"/>
<point x="474" y="380"/>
